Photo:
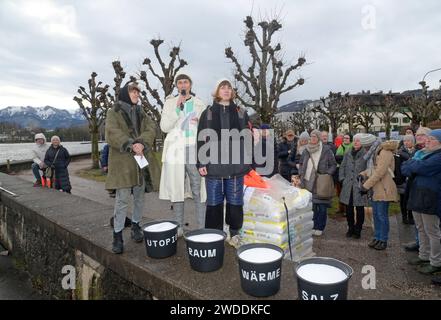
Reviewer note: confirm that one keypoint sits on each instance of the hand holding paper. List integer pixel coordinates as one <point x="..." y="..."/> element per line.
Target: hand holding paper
<point x="142" y="161"/>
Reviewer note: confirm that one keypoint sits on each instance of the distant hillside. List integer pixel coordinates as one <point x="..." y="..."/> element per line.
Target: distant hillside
<point x="43" y="117"/>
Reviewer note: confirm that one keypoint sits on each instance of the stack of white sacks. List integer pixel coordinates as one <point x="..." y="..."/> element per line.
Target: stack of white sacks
<point x="265" y="217"/>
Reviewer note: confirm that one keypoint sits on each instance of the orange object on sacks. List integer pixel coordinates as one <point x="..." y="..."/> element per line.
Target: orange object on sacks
<point x="253" y="179"/>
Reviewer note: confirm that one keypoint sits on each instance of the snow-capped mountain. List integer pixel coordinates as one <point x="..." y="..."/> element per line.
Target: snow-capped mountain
<point x="43" y="117"/>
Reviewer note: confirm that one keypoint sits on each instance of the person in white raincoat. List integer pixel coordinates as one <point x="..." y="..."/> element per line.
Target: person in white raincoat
<point x="179" y="174"/>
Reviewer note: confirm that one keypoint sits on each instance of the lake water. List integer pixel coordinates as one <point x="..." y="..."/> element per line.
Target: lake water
<point x="23" y="151"/>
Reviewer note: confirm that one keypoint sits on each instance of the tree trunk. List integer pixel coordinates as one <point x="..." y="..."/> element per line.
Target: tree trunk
<point x="95" y="152"/>
<point x="387" y="129"/>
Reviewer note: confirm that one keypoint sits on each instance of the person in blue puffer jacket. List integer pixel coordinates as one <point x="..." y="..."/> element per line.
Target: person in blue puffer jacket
<point x="425" y="203"/>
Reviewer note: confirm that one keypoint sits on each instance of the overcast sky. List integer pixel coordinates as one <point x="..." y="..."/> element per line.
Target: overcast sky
<point x="48" y="48"/>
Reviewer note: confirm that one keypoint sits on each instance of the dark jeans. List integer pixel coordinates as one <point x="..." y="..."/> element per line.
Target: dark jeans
<point x="403" y="206"/>
<point x="320" y="216"/>
<point x="36" y="171"/>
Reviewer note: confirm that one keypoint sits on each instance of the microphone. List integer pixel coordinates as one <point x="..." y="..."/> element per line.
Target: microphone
<point x="183" y="93"/>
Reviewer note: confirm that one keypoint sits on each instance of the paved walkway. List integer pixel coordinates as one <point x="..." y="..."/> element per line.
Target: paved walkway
<point x="395" y="279"/>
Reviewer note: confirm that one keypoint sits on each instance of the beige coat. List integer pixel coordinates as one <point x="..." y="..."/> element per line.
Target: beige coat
<point x="173" y="185"/>
<point x="381" y="179"/>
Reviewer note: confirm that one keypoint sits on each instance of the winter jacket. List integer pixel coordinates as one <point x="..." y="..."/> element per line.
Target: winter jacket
<point x="60" y="163"/>
<point x="120" y="131"/>
<point x="326" y="164"/>
<point x="218" y="117"/>
<point x="285" y="150"/>
<point x="381" y="179"/>
<point x="425" y="192"/>
<point x="39" y="150"/>
<point x="350" y="169"/>
<point x="173" y="185"/>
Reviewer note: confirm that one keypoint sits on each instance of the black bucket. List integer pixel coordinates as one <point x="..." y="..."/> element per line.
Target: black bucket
<point x="308" y="289"/>
<point x="205" y="256"/>
<point x="161" y="244"/>
<point x="260" y="277"/>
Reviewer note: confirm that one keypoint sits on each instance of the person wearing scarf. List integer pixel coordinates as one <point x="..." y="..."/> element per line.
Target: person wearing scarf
<point x="317" y="158"/>
<point x="344" y="147"/>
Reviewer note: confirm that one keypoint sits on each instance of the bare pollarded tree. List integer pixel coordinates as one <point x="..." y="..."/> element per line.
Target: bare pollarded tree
<point x="268" y="76"/>
<point x="94" y="103"/>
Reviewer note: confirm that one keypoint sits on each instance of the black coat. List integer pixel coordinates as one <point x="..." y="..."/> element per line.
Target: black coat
<point x="285" y="149"/>
<point x="60" y="165"/>
<point x="217" y="118"/>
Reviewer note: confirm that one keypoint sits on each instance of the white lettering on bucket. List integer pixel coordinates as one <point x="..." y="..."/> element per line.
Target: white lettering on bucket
<point x="208" y="253"/>
<point x="162" y="243"/>
<point x="306" y="296"/>
<point x="261" y="276"/>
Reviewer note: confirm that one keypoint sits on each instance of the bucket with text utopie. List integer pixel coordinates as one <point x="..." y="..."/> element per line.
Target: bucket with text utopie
<point x="161" y="238"/>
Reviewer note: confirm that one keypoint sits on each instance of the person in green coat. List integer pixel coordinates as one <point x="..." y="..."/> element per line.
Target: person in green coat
<point x="129" y="132"/>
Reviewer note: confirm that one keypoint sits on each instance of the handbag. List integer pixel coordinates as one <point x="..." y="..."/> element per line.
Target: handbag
<point x="49" y="172"/>
<point x="324" y="184"/>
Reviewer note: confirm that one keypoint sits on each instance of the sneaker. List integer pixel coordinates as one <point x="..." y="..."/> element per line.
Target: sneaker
<point x="136" y="233"/>
<point x="235" y="241"/>
<point x="429" y="269"/>
<point x="417" y="261"/>
<point x="381" y="245"/>
<point x="373" y="243"/>
<point x="412" y="247"/>
<point x="317" y="233"/>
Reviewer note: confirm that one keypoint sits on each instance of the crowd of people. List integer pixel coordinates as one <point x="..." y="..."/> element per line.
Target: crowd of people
<point x="361" y="170"/>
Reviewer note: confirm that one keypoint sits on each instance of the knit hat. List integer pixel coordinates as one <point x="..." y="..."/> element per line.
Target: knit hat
<point x="133" y="86"/>
<point x="40" y="136"/>
<point x="366" y="139"/>
<point x="182" y="76"/>
<point x="436" y="134"/>
<point x="265" y="126"/>
<point x="55" y="138"/>
<point x="218" y="83"/>
<point x="409" y="137"/>
<point x="423" y="131"/>
<point x="304" y="135"/>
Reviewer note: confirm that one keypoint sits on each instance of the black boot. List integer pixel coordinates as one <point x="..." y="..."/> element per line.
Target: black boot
<point x="127" y="223"/>
<point x="214" y="217"/>
<point x="405" y="219"/>
<point x="357" y="233"/>
<point x="137" y="234"/>
<point x="118" y="245"/>
<point x="410" y="218"/>
<point x="350" y="232"/>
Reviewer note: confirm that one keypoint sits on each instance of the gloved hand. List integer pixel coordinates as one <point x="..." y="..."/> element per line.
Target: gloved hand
<point x="363" y="191"/>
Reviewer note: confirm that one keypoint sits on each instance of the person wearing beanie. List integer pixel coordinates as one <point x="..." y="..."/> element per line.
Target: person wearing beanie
<point x="129" y="132"/>
<point x="57" y="158"/>
<point x="318" y="158"/>
<point x="225" y="169"/>
<point x="425" y="203"/>
<point x="39" y="152"/>
<point x="351" y="167"/>
<point x="285" y="149"/>
<point x="179" y="120"/>
<point x="383" y="189"/>
<point x="405" y="152"/>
